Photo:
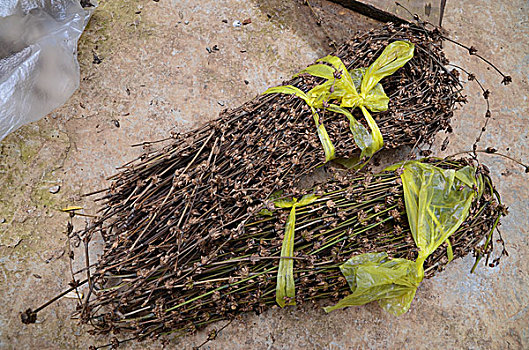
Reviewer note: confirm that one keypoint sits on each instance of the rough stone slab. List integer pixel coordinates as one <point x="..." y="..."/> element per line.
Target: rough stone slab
<point x="156" y="76"/>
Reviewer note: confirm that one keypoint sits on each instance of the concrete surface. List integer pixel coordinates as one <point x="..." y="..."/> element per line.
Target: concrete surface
<point x="156" y="76"/>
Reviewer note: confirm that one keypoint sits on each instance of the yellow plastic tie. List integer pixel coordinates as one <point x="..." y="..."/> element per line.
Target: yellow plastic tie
<point x="285" y="288"/>
<point x="437" y="202"/>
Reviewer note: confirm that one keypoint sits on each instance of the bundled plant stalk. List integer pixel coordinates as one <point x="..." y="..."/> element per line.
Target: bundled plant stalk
<point x="209" y="181"/>
<point x="186" y="242"/>
<point x="169" y="207"/>
<point x="236" y="271"/>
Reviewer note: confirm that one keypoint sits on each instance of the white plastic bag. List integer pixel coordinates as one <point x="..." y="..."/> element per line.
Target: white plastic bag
<point x="38" y="58"/>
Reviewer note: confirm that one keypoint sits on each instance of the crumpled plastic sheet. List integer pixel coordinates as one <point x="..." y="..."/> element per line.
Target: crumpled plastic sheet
<point x="437" y="202"/>
<point x="373" y="276"/>
<point x="38" y="58"/>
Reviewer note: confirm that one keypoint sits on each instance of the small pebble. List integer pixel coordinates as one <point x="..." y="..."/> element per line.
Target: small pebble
<point x="237" y="24"/>
<point x="97" y="59"/>
<point x="220" y="103"/>
<point x="186" y="22"/>
<point x="55" y="189"/>
<point x="2" y="221"/>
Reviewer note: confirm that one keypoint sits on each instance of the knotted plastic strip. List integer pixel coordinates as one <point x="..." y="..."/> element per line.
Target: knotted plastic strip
<point x="344" y="86"/>
<point x="437" y="202"/>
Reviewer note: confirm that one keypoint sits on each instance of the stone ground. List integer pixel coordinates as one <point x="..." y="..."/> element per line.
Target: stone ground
<point x="156" y="76"/>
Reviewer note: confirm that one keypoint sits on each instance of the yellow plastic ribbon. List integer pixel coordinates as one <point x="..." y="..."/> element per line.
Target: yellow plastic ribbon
<point x="361" y="88"/>
<point x="311" y="101"/>
<point x="437" y="202"/>
<point x="343" y="86"/>
<point x="285" y="288"/>
<point x="325" y="140"/>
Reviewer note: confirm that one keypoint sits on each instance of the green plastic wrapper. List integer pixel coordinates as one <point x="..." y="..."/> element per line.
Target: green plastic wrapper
<point x="357" y="88"/>
<point x="373" y="276"/>
<point x="437" y="202"/>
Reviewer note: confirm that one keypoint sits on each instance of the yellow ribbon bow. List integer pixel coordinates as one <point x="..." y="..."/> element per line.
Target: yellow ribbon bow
<point x="343" y="86"/>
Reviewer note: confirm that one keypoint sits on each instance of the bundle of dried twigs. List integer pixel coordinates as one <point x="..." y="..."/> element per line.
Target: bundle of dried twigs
<point x="185" y="244"/>
<point x="213" y="178"/>
<point x="160" y="289"/>
<point x="166" y="208"/>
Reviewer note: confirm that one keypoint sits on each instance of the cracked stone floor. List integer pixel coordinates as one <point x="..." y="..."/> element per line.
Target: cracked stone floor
<point x="156" y="76"/>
